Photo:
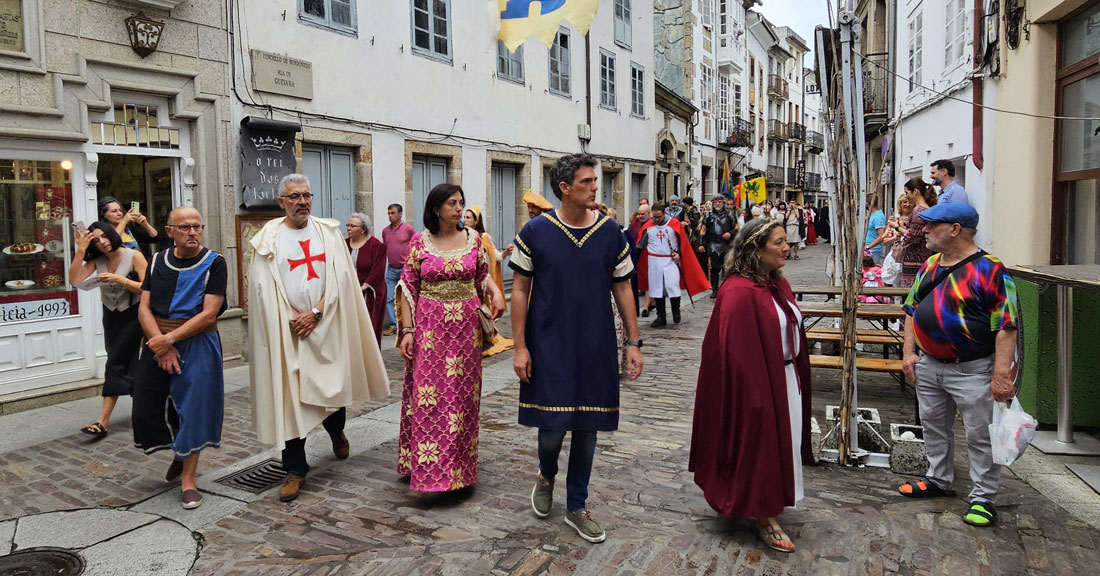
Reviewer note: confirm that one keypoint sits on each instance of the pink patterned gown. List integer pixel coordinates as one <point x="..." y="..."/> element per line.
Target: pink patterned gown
<point x="441" y="397"/>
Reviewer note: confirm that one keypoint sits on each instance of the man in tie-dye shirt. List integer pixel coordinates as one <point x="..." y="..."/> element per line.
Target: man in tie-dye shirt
<point x="960" y="344"/>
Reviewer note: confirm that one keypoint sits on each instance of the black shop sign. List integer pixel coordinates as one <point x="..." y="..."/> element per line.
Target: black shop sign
<point x="267" y="154"/>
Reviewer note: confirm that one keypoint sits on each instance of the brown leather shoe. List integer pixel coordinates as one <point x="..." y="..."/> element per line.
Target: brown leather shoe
<point x="291" y="486"/>
<point x="340" y="446"/>
<point x="390" y="331"/>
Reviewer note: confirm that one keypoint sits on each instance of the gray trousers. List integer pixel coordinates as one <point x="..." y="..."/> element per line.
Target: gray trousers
<point x="943" y="388"/>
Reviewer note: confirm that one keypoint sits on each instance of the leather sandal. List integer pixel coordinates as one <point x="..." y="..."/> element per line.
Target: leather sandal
<point x="95" y="429"/>
<point x="773" y="536"/>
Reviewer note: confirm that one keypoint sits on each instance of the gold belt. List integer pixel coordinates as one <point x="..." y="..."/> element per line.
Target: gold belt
<point x="448" y="290"/>
<point x="167" y="325"/>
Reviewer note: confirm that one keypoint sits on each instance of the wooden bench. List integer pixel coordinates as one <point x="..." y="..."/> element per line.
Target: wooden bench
<point x="887" y="365"/>
<point x="894" y="291"/>
<point x="863" y="311"/>
<point x="834" y="335"/>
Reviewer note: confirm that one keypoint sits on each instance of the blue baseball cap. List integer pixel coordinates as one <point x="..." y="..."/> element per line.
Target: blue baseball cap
<point x="952" y="213"/>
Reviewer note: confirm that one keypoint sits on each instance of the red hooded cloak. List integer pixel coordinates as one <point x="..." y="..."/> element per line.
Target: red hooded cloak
<point x="741" y="437"/>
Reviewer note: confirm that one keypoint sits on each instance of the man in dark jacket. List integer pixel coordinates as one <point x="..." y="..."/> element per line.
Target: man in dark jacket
<point x="717" y="230"/>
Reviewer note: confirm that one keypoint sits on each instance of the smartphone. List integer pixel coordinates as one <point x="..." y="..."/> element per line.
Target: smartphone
<point x="79" y="227"/>
<point x="135" y="206"/>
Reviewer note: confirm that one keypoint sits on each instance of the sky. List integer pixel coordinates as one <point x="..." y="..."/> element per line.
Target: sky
<point x="802" y="16"/>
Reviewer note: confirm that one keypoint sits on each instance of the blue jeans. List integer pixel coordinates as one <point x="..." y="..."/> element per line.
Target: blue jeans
<point x="392" y="276"/>
<point x="582" y="448"/>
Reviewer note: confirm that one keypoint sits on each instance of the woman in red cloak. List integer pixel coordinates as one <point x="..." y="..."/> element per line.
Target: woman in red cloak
<point x="751" y="432"/>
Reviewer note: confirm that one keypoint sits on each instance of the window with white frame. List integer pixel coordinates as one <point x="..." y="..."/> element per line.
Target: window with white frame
<point x="607" y="80"/>
<point x="954" y="31"/>
<point x="431" y="28"/>
<point x="637" y="90"/>
<point x="706" y="88"/>
<point x="708" y="13"/>
<point x="723" y="16"/>
<point x="736" y="100"/>
<point x="723" y="105"/>
<point x="623" y="32"/>
<point x="338" y="15"/>
<point x="509" y="64"/>
<point x="916" y="49"/>
<point x="560" y="78"/>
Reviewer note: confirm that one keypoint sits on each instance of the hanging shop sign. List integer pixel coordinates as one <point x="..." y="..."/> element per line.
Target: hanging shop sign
<point x="281" y="74"/>
<point x="267" y="154"/>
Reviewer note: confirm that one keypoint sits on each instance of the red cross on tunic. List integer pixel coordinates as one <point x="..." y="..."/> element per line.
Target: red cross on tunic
<point x="308" y="260"/>
<point x="661" y="236"/>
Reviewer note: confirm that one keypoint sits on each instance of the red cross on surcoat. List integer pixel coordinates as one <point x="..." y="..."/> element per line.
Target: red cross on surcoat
<point x="660" y="235"/>
<point x="308" y="260"/>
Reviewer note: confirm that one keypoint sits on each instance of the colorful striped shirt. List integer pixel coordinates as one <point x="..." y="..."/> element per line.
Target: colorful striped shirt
<point x="962" y="315"/>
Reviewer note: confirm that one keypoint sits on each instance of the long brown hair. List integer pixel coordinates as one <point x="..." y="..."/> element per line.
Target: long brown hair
<point x="743" y="258"/>
<point x="926" y="190"/>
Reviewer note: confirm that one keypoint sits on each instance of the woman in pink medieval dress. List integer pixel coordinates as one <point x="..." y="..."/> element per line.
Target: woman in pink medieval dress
<point x="442" y="286"/>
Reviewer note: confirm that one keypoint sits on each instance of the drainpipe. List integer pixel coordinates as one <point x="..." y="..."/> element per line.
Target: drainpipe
<point x="588" y="77"/>
<point x="977" y="85"/>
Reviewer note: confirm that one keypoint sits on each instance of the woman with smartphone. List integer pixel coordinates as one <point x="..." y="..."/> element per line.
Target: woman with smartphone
<point x="120" y="271"/>
<point x="110" y="211"/>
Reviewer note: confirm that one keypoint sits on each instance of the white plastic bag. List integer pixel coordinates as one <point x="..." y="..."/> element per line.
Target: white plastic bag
<point x="891" y="269"/>
<point x="1010" y="432"/>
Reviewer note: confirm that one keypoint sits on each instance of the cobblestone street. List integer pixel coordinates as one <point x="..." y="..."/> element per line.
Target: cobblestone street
<point x="358" y="516"/>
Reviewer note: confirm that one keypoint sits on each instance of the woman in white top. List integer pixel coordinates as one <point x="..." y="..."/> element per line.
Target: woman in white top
<point x="120" y="271"/>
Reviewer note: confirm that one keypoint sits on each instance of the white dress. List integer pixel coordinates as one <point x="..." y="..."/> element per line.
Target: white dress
<point x="794" y="395"/>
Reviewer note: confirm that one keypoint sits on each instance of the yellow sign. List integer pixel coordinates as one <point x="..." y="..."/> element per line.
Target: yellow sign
<point x="519" y="19"/>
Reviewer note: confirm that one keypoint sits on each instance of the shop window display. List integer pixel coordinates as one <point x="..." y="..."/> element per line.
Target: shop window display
<point x="36" y="208"/>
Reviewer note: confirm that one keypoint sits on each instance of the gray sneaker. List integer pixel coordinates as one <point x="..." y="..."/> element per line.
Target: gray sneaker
<point x="542" y="496"/>
<point x="586" y="527"/>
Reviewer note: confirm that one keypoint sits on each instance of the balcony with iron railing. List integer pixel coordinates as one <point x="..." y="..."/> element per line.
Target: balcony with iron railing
<point x="813" y="181"/>
<point x="777" y="87"/>
<point x="876" y="82"/>
<point x="777" y="130"/>
<point x="815" y="141"/>
<point x="740" y="133"/>
<point x="796" y="131"/>
<point x="776" y="175"/>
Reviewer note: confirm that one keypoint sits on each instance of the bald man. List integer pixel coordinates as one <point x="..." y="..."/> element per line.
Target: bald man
<point x="179" y="391"/>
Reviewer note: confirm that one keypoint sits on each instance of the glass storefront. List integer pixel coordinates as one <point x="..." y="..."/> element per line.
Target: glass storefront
<point x="36" y="209"/>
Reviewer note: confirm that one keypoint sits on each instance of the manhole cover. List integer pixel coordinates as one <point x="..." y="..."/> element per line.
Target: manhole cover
<point x="41" y="562"/>
<point x="256" y="478"/>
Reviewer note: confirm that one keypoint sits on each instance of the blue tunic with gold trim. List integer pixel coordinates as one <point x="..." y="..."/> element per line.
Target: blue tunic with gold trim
<point x="570" y="329"/>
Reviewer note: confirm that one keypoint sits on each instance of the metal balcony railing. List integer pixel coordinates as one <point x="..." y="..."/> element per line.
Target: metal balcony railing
<point x="777" y="87"/>
<point x="740" y="133"/>
<point x="876" y="81"/>
<point x="815" y="141"/>
<point x="776" y="175"/>
<point x="813" y="181"/>
<point x="796" y="131"/>
<point x="777" y="130"/>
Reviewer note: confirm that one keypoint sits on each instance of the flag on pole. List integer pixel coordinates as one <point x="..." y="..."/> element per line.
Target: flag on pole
<point x="737" y="194"/>
<point x="519" y="19"/>
<point x="726" y="178"/>
<point x="756" y="190"/>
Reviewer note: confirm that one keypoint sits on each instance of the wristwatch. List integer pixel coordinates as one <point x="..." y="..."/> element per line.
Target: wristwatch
<point x="317" y="314"/>
<point x="637" y="343"/>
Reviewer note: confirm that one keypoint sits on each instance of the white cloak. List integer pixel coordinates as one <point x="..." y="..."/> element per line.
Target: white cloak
<point x="297" y="383"/>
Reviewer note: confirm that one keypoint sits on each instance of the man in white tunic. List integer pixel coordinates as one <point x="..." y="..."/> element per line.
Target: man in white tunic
<point x="662" y="245"/>
<point x="311" y="338"/>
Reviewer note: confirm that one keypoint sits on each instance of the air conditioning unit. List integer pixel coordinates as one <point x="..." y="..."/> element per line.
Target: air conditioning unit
<point x="584" y="132"/>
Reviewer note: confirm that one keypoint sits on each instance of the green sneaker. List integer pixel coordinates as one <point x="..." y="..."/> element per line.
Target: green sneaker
<point x="542" y="496"/>
<point x="586" y="527"/>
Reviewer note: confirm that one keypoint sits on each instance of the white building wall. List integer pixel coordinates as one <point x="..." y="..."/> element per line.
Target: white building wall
<point x="374" y="84"/>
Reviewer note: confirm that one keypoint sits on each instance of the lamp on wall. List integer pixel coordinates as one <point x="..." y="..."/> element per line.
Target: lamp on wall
<point x="144" y="33"/>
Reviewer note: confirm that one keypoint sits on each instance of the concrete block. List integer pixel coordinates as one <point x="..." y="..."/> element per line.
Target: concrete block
<point x="908" y="455"/>
<point x="76" y="529"/>
<point x="167" y="504"/>
<point x="167" y="549"/>
<point x="815" y="437"/>
<point x="7" y="531"/>
<point x="870" y="429"/>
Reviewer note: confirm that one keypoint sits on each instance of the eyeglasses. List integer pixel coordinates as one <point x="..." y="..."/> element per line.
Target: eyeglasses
<point x="299" y="197"/>
<point x="187" y="228"/>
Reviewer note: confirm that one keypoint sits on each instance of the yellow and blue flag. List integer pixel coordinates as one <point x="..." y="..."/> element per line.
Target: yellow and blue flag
<point x="725" y="182"/>
<point x="519" y="19"/>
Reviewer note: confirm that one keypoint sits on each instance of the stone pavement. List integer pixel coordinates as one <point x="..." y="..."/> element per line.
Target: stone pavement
<point x="358" y="516"/>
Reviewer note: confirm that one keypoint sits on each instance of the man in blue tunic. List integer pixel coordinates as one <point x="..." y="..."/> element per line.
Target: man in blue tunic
<point x="179" y="392"/>
<point x="568" y="263"/>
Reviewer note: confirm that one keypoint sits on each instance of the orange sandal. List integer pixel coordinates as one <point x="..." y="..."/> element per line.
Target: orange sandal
<point x="924" y="489"/>
<point x="774" y="537"/>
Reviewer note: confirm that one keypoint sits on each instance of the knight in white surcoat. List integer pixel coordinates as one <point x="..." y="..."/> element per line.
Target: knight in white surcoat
<point x="661" y="242"/>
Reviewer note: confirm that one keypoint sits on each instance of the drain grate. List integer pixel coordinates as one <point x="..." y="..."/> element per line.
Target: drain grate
<point x="41" y="562"/>
<point x="256" y="478"/>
